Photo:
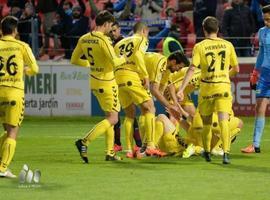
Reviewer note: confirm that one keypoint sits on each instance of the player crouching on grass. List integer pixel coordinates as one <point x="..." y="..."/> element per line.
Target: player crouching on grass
<point x="168" y="139"/>
<point x="13" y="58"/>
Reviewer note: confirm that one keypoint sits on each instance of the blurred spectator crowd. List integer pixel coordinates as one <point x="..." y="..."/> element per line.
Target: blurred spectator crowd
<point x="56" y="25"/>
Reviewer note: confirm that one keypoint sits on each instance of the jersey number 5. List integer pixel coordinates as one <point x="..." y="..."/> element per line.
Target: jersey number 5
<point x="89" y="52"/>
<point x="11" y="67"/>
<point x="211" y="67"/>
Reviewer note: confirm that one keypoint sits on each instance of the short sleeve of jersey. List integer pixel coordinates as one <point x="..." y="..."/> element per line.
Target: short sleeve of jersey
<point x="166" y="78"/>
<point x="196" y="56"/>
<point x="143" y="46"/>
<point x="160" y="69"/>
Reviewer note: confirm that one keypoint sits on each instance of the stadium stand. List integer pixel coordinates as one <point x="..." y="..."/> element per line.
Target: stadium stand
<point x="183" y="6"/>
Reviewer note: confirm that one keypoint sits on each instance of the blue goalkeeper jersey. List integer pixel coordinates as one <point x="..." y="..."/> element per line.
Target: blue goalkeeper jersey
<point x="263" y="59"/>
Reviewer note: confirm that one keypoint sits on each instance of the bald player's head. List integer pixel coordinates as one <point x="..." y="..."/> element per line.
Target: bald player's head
<point x="141" y="28"/>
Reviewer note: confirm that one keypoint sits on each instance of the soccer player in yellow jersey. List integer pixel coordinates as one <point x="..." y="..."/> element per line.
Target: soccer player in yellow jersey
<point x="100" y="56"/>
<point x="214" y="56"/>
<point x="194" y="84"/>
<point x="14" y="55"/>
<point x="133" y="81"/>
<point x="159" y="66"/>
<point x="116" y="36"/>
<point x="186" y="105"/>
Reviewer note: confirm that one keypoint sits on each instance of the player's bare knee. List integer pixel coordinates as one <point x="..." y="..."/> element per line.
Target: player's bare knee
<point x="147" y="107"/>
<point x="260" y="110"/>
<point x="130" y="112"/>
<point x="240" y="124"/>
<point x="260" y="107"/>
<point x="161" y="117"/>
<point x="112" y="118"/>
<point x="12" y="131"/>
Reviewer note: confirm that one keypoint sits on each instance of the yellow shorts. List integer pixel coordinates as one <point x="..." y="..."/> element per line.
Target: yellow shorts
<point x="207" y="106"/>
<point x="215" y="98"/>
<point x="131" y="91"/>
<point x="11" y="106"/>
<point x="106" y="93"/>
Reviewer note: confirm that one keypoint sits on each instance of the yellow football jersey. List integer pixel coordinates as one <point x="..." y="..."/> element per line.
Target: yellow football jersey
<point x="101" y="57"/>
<point x="166" y="78"/>
<point x="156" y="64"/>
<point x="133" y="48"/>
<point x="214" y="57"/>
<point x="194" y="83"/>
<point x="14" y="55"/>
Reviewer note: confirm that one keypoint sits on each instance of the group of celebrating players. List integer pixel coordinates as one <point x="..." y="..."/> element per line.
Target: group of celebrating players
<point x="123" y="73"/>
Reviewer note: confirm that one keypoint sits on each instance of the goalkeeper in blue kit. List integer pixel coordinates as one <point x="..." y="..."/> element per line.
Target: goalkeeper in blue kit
<point x="259" y="80"/>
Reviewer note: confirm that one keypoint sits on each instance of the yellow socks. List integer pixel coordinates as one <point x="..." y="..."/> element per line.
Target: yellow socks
<point x="225" y="135"/>
<point x="109" y="138"/>
<point x="206" y="137"/>
<point x="129" y="130"/>
<point x="3" y="137"/>
<point x="150" y="129"/>
<point x="159" y="131"/>
<point x="98" y="130"/>
<point x="142" y="127"/>
<point x="8" y="150"/>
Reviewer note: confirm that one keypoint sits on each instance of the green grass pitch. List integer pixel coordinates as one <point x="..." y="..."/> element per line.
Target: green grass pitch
<point x="48" y="144"/>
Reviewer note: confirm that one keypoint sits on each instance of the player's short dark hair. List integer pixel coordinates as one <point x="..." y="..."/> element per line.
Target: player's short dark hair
<point x="139" y="26"/>
<point x="179" y="57"/>
<point x="103" y="17"/>
<point x="9" y="25"/>
<point x="210" y="24"/>
<point x="266" y="9"/>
